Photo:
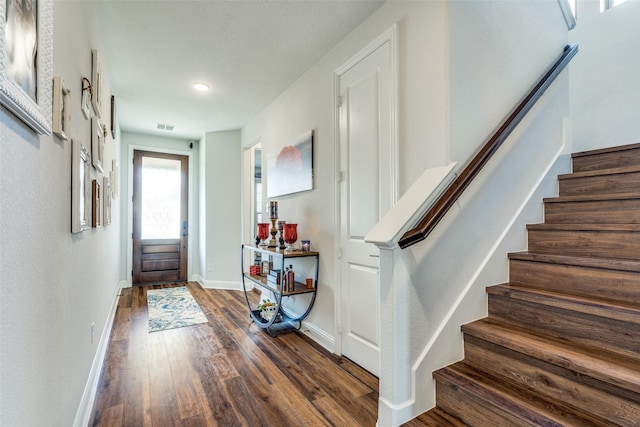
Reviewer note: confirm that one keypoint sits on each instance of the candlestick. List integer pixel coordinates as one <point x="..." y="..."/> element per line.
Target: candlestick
<point x="281" y="224"/>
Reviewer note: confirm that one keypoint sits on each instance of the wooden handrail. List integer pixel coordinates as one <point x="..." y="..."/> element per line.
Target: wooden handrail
<point x="454" y="190"/>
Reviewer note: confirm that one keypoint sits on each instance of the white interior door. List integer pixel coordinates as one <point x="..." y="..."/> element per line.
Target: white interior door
<point x="366" y="194"/>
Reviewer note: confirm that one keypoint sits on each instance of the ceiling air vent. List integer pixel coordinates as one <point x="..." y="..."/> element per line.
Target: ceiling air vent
<point x="166" y="127"/>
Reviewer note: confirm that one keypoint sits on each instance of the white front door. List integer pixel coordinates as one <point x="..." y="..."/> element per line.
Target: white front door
<point x="366" y="194"/>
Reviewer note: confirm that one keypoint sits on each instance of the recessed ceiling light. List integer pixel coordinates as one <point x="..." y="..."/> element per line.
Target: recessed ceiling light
<point x="202" y="87"/>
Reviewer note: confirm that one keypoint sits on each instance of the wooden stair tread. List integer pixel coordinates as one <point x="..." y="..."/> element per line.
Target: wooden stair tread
<point x="593" y="198"/>
<point x="605" y="150"/>
<point x="599" y="172"/>
<point x="624" y="228"/>
<point x="597" y="307"/>
<point x="601" y="365"/>
<point x="589" y="262"/>
<point x="513" y="399"/>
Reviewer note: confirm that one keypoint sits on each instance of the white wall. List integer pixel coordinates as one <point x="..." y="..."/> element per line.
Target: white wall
<point x="604" y="76"/>
<point x="220" y="212"/>
<point x="309" y="104"/>
<point x="134" y="141"/>
<point x="53" y="284"/>
<point x="498" y="51"/>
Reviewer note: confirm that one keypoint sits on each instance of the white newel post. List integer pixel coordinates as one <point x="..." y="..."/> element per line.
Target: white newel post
<point x="396" y="397"/>
<point x="395" y="326"/>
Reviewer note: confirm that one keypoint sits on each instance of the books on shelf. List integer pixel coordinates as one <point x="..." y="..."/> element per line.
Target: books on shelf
<point x="274" y="277"/>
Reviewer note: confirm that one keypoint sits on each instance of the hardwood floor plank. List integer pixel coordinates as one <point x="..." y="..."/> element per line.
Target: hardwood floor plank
<point x="112" y="416"/>
<point x="188" y="389"/>
<point x="165" y="409"/>
<point x="332" y="411"/>
<point x="334" y="378"/>
<point x="244" y="405"/>
<point x="227" y="372"/>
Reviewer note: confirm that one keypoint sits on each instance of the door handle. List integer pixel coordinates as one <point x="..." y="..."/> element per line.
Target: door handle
<point x="374" y="256"/>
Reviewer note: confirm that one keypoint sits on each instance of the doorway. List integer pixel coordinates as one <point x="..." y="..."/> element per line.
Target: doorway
<point x="367" y="179"/>
<point x="160" y="217"/>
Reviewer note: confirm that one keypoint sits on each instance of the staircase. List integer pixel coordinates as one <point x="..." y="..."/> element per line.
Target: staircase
<point x="561" y="344"/>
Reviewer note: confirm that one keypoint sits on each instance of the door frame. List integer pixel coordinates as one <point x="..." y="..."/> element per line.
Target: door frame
<point x="193" y="208"/>
<point x="389" y="36"/>
<point x="248" y="195"/>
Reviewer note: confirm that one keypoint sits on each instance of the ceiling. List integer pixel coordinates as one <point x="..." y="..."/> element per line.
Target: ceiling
<point x="248" y="51"/>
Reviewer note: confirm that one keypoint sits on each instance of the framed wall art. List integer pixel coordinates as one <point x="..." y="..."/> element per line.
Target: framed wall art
<point x="61" y="108"/>
<point x="114" y="178"/>
<point x="95" y="203"/>
<point x="113" y="117"/>
<point x="86" y="98"/>
<point x="290" y="169"/>
<point x="96" y="82"/>
<point x="106" y="209"/>
<point x="26" y="61"/>
<point x="97" y="144"/>
<point x="80" y="188"/>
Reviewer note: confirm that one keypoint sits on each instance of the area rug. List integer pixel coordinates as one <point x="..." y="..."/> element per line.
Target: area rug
<point x="171" y="308"/>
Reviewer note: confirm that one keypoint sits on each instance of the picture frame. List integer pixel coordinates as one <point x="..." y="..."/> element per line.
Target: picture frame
<point x="85" y="103"/>
<point x="61" y="108"/>
<point x="25" y="90"/>
<point x="114" y="178"/>
<point x="290" y="169"/>
<point x="96" y="82"/>
<point x="113" y="117"/>
<point x="95" y="203"/>
<point x="97" y="144"/>
<point x="80" y="188"/>
<point x="106" y="192"/>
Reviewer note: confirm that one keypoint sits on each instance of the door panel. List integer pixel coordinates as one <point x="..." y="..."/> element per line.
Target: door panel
<point x="365" y="165"/>
<point x="160" y="228"/>
<point x="363" y="326"/>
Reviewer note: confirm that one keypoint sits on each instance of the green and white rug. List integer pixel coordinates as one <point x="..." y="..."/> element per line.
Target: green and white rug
<point x="171" y="308"/>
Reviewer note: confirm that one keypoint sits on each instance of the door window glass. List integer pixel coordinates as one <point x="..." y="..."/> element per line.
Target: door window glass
<point x="160" y="197"/>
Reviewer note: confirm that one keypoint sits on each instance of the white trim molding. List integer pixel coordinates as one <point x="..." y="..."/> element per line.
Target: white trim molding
<point x="568" y="12"/>
<point x="217" y="284"/>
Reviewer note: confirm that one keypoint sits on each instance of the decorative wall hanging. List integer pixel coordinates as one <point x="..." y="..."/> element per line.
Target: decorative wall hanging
<point x="86" y="98"/>
<point x="61" y="108"/>
<point x="106" y="191"/>
<point x="113" y="117"/>
<point x="290" y="170"/>
<point x="95" y="205"/>
<point x="80" y="188"/>
<point x="97" y="144"/>
<point x="96" y="82"/>
<point x="26" y="61"/>
<point x="114" y="178"/>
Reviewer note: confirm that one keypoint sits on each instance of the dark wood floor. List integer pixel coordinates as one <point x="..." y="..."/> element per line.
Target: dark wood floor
<point x="227" y="372"/>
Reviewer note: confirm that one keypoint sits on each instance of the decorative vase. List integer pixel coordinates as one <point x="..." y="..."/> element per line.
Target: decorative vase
<point x="263" y="232"/>
<point x="290" y="236"/>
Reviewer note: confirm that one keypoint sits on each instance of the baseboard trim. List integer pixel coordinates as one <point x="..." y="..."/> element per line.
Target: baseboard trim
<point x="319" y="335"/>
<point x="394" y="415"/>
<point x="83" y="415"/>
<point x="217" y="284"/>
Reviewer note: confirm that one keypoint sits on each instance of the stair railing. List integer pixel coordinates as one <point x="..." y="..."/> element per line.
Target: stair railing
<point x="454" y="190"/>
